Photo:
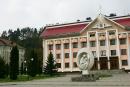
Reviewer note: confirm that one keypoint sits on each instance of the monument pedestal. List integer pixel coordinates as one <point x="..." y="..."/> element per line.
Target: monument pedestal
<point x="85" y="61"/>
<point x="85" y="78"/>
<point x="85" y="72"/>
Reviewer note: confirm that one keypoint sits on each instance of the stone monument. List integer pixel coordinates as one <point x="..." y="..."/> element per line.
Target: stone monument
<point x="85" y="61"/>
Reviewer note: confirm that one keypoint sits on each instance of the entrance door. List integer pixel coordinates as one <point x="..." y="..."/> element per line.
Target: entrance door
<point x="95" y="66"/>
<point x="103" y="63"/>
<point x="114" y="63"/>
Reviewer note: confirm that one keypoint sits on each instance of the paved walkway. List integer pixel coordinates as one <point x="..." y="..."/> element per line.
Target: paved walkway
<point x="117" y="80"/>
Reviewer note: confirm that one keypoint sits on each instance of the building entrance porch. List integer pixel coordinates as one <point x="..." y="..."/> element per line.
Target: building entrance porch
<point x="105" y="64"/>
<point x="114" y="63"/>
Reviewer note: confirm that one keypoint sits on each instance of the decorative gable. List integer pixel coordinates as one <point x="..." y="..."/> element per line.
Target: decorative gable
<point x="80" y="28"/>
<point x="100" y="23"/>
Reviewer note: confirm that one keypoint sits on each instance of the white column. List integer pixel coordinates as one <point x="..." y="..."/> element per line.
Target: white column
<point x="79" y="43"/>
<point x="88" y="46"/>
<point x="62" y="55"/>
<point x="45" y="51"/>
<point x="128" y="50"/>
<point x="108" y="51"/>
<point x="97" y="51"/>
<point x="118" y="49"/>
<point x="70" y="54"/>
<point x="54" y="49"/>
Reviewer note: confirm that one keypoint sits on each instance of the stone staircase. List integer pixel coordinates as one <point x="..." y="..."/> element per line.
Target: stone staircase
<point x="107" y="71"/>
<point x="99" y="72"/>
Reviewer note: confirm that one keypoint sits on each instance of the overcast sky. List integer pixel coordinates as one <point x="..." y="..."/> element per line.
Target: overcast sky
<point x="38" y="13"/>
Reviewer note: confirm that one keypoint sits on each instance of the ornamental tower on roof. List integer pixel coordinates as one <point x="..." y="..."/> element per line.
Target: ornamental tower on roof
<point x="108" y="38"/>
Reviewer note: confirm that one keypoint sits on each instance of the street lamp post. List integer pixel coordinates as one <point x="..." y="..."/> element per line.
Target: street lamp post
<point x="26" y="67"/>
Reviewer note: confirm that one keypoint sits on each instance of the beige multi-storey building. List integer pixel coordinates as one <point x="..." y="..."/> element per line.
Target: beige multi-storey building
<point x="108" y="38"/>
<point x="5" y="49"/>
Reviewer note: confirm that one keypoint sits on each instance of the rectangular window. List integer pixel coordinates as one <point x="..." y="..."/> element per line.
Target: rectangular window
<point x="50" y="47"/>
<point x="112" y="42"/>
<point x="83" y="44"/>
<point x="103" y="52"/>
<point x="66" y="55"/>
<point x="58" y="56"/>
<point x="92" y="43"/>
<point x="66" y="65"/>
<point x="58" y="46"/>
<point x="112" y="33"/>
<point x="113" y="52"/>
<point x="124" y="62"/>
<point x="75" y="65"/>
<point x="58" y="65"/>
<point x="94" y="54"/>
<point x="123" y="41"/>
<point x="123" y="52"/>
<point x="66" y="46"/>
<point x="102" y="42"/>
<point x="92" y="35"/>
<point x="74" y="54"/>
<point x="75" y="45"/>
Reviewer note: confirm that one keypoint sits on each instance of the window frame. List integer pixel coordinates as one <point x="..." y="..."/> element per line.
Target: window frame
<point x="75" y="45"/>
<point x="122" y="41"/>
<point x="112" y="32"/>
<point x="92" y="43"/>
<point x="92" y="35"/>
<point x="58" y="56"/>
<point x="67" y="55"/>
<point x="83" y="44"/>
<point x="124" y="62"/>
<point x="94" y="54"/>
<point x="58" y="65"/>
<point x="58" y="46"/>
<point x="75" y="65"/>
<point x="66" y="45"/>
<point x="102" y="43"/>
<point x="114" y="51"/>
<point x="50" y="47"/>
<point x="123" y="51"/>
<point x="103" y="53"/>
<point x="67" y="65"/>
<point x="74" y="54"/>
<point x="111" y="42"/>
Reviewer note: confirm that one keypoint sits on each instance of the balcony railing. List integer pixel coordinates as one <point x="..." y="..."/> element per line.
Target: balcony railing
<point x="112" y="36"/>
<point x="83" y="39"/>
<point x="74" y="40"/>
<point x="102" y="37"/>
<point x="92" y="38"/>
<point x="122" y="35"/>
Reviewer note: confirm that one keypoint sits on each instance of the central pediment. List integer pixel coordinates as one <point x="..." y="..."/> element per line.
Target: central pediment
<point x="100" y="23"/>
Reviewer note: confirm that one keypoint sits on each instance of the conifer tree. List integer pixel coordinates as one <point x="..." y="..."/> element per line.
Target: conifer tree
<point x="33" y="64"/>
<point x="14" y="63"/>
<point x="50" y="68"/>
<point x="2" y="68"/>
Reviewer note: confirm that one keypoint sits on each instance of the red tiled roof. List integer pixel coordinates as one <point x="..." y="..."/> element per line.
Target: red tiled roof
<point x="62" y="30"/>
<point x="123" y="21"/>
<point x="6" y="42"/>
<point x="75" y="28"/>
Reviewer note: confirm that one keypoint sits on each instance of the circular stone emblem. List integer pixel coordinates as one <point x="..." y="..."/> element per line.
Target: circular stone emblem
<point x="85" y="59"/>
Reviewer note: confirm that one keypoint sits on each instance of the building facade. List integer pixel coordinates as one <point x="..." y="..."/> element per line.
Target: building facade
<point x="108" y="38"/>
<point x="5" y="49"/>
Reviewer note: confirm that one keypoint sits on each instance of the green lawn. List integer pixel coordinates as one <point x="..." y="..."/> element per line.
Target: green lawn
<point x="26" y="78"/>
